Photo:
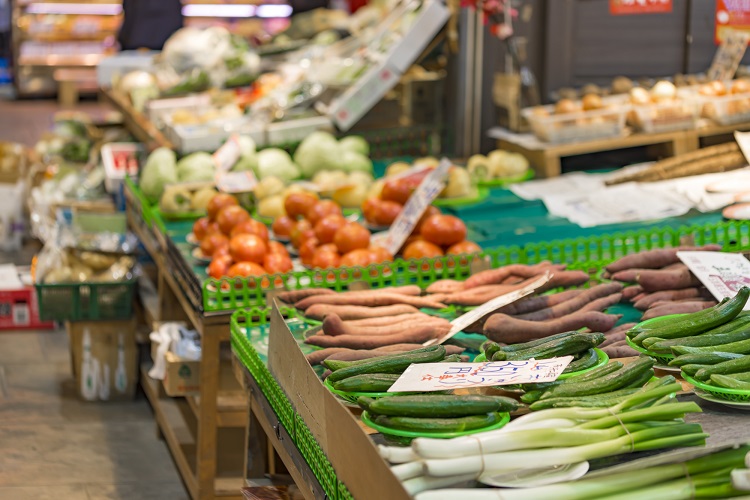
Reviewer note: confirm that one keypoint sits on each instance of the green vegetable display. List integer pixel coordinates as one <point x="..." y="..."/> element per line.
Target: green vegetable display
<point x="160" y="169"/>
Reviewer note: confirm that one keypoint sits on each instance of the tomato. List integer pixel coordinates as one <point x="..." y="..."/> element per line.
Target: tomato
<point x="386" y="212"/>
<point x="422" y="249"/>
<point x="351" y="236"/>
<point x="444" y="230"/>
<point x="247" y="247"/>
<point x="463" y="247"/>
<point x="307" y="249"/>
<point x="321" y="209"/>
<point x="212" y="242"/>
<point x="359" y="257"/>
<point x="324" y="259"/>
<point x="202" y="227"/>
<point x="431" y="210"/>
<point x="369" y="207"/>
<point x="222" y="250"/>
<point x="329" y="247"/>
<point x="218" y="202"/>
<point x="326" y="228"/>
<point x="296" y="236"/>
<point x="283" y="226"/>
<point x="219" y="266"/>
<point x="276" y="247"/>
<point x="230" y="216"/>
<point x="379" y="255"/>
<point x="276" y="263"/>
<point x="297" y="204"/>
<point x="397" y="190"/>
<point x="251" y="226"/>
<point x="242" y="269"/>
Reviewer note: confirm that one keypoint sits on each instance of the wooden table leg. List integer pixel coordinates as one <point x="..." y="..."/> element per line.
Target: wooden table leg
<point x="209" y="388"/>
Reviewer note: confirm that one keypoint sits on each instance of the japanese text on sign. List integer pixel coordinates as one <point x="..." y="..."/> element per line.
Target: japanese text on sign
<point x="731" y="15"/>
<point x="722" y="273"/>
<point x="624" y="7"/>
<point x="425" y="377"/>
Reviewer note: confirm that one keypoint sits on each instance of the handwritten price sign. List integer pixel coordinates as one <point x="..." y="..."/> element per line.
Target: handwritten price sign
<point x="426" y="377"/>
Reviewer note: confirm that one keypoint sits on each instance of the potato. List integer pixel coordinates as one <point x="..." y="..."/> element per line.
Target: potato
<point x="272" y="207"/>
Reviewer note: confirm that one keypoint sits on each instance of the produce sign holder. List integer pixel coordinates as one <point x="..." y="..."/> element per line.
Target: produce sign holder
<point x="85" y="301"/>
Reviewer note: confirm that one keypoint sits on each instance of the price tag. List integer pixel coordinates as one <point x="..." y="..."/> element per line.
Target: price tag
<point x="236" y="182"/>
<point x="722" y="273"/>
<point x="729" y="54"/>
<point x="418" y="202"/>
<point x="427" y="377"/>
<point x="228" y="154"/>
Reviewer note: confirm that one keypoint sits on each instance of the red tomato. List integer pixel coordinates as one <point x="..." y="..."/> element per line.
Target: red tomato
<point x="369" y="207"/>
<point x="444" y="230"/>
<point x="324" y="259"/>
<point x="359" y="257"/>
<point x="397" y="190"/>
<point x="219" y="266"/>
<point x="321" y="209"/>
<point x="307" y="249"/>
<point x="276" y="247"/>
<point x="276" y="263"/>
<point x="386" y="212"/>
<point x="298" y="235"/>
<point x="218" y="202"/>
<point x="329" y="247"/>
<point x="431" y="210"/>
<point x="298" y="203"/>
<point x="242" y="269"/>
<point x="230" y="216"/>
<point x="463" y="247"/>
<point x="326" y="227"/>
<point x="212" y="242"/>
<point x="247" y="247"/>
<point x="422" y="249"/>
<point x="283" y="226"/>
<point x="203" y="226"/>
<point x="251" y="226"/>
<point x="222" y="250"/>
<point x="352" y="236"/>
<point x="379" y="255"/>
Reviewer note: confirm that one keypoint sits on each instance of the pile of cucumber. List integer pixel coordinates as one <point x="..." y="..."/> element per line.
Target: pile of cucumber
<point x="379" y="374"/>
<point x="426" y="414"/>
<point x="579" y="345"/>
<point x="721" y="369"/>
<point x="599" y="388"/>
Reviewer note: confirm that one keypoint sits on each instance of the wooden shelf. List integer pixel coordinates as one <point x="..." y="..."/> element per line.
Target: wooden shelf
<point x="231" y="400"/>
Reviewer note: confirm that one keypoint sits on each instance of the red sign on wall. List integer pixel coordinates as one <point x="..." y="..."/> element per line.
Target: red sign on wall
<point x="731" y="15"/>
<point x="625" y="7"/>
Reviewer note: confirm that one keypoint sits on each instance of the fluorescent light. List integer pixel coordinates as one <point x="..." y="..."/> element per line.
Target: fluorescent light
<point x="101" y="9"/>
<point x="218" y="10"/>
<point x="270" y="10"/>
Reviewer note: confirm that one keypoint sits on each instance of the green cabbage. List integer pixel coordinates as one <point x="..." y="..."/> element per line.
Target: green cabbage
<point x="196" y="167"/>
<point x="355" y="162"/>
<point x="160" y="169"/>
<point x="276" y="162"/>
<point x="318" y="151"/>
<point x="356" y="144"/>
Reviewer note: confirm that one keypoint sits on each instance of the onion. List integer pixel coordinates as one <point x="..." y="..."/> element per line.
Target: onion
<point x="663" y="91"/>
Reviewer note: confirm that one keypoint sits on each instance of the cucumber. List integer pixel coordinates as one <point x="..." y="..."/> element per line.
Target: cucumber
<point x="596" y="401"/>
<point x="534" y="343"/>
<point x="396" y="363"/>
<point x="532" y="396"/>
<point x="573" y="344"/>
<point x="453" y="358"/>
<point x="639" y="382"/>
<point x="652" y="323"/>
<point x="489" y="348"/>
<point x="710" y="358"/>
<point x="742" y="320"/>
<point x="736" y="334"/>
<point x="743" y="376"/>
<point x="588" y="359"/>
<point x="732" y="366"/>
<point x="741" y="347"/>
<point x="371" y="382"/>
<point x="692" y="369"/>
<point x="364" y="402"/>
<point x="335" y="364"/>
<point x="441" y="406"/>
<point x="730" y="382"/>
<point x="427" y="425"/>
<point x="498" y="356"/>
<point x="616" y="380"/>
<point x="595" y="374"/>
<point x="698" y="322"/>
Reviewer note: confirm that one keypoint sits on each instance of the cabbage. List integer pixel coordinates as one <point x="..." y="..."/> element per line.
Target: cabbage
<point x="319" y="151"/>
<point x="160" y="169"/>
<point x="355" y="144"/>
<point x="196" y="167"/>
<point x="245" y="163"/>
<point x="276" y="162"/>
<point x="247" y="145"/>
<point x="355" y="162"/>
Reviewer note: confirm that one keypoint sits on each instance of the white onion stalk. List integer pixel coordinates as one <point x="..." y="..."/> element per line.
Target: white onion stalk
<point x="422" y="483"/>
<point x="397" y="454"/>
<point x="408" y="470"/>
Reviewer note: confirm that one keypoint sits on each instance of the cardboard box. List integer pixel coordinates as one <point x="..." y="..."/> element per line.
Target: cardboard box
<point x="182" y="377"/>
<point x="351" y="452"/>
<point x="19" y="309"/>
<point x="105" y="359"/>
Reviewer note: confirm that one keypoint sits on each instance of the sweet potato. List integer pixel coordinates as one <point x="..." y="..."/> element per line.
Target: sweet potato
<point x="586" y="298"/>
<point x="565" y="279"/>
<point x="654" y="259"/>
<point x="616" y="334"/>
<point x="504" y="328"/>
<point x="369" y="300"/>
<point x="320" y="311"/>
<point x="334" y="325"/>
<point x="293" y="296"/>
<point x="317" y="357"/>
<point x="670" y="295"/>
<point x="417" y="334"/>
<point x="535" y="303"/>
<point x="656" y="280"/>
<point x="620" y="350"/>
<point x="495" y="276"/>
<point x="449" y="349"/>
<point x="677" y="308"/>
<point x="445" y="286"/>
<point x="385" y="320"/>
<point x="629" y="292"/>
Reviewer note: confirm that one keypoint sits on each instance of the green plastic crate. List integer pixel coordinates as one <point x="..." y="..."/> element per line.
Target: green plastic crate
<point x="85" y="301"/>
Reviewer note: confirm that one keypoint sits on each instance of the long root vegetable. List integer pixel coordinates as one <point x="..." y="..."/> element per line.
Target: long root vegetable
<point x="416" y="334"/>
<point x="619" y="349"/>
<point x="496" y="276"/>
<point x="317" y="357"/>
<point x="334" y="325"/>
<point x="566" y="279"/>
<point x="616" y="334"/>
<point x="449" y="349"/>
<point x="343" y="354"/>
<point x="386" y="320"/>
<point x="670" y="295"/>
<point x="445" y="286"/>
<point x="320" y="311"/>
<point x="657" y="280"/>
<point x="504" y="328"/>
<point x="677" y="308"/>
<point x="369" y="300"/>
<point x="603" y="303"/>
<point x="654" y="259"/>
<point x="630" y="292"/>
<point x="575" y="304"/>
<point x="293" y="296"/>
<point x="535" y="303"/>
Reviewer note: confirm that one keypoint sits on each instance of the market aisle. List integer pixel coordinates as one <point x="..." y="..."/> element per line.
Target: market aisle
<point x="53" y="445"/>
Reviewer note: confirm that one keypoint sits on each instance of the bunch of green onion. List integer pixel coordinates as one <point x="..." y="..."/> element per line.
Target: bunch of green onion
<point x="649" y="419"/>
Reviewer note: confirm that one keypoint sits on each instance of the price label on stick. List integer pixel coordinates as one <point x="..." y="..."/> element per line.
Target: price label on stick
<point x="415" y="207"/>
<point x="427" y="377"/>
<point x="236" y="182"/>
<point x="722" y="273"/>
<point x="227" y="155"/>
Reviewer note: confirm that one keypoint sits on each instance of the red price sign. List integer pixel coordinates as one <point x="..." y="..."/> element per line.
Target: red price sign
<point x="731" y="15"/>
<point x="626" y="7"/>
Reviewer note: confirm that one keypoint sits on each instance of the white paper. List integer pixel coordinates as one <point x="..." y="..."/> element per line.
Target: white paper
<point x="427" y="377"/>
<point x="722" y="273"/>
<point x="9" y="279"/>
<point x="236" y="182"/>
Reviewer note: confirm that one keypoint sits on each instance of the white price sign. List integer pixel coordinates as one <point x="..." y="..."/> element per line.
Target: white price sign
<point x="426" y="192"/>
<point x="236" y="182"/>
<point x="427" y="377"/>
<point x="722" y="273"/>
<point x="227" y="155"/>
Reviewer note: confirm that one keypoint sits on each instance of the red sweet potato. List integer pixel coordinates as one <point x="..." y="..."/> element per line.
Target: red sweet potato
<point x="320" y="311"/>
<point x="670" y="295"/>
<point x="587" y="297"/>
<point x="445" y="286"/>
<point x="504" y="328"/>
<point x="417" y="334"/>
<point x="629" y="292"/>
<point x="495" y="276"/>
<point x="670" y="279"/>
<point x="369" y="300"/>
<point x="334" y="325"/>
<point x="677" y="308"/>
<point x="293" y="296"/>
<point x="654" y="259"/>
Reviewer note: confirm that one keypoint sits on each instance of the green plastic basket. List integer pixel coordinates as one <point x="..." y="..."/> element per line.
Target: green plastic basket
<point x="504" y="183"/>
<point x="399" y="433"/>
<point x="734" y="395"/>
<point x="603" y="360"/>
<point x="85" y="301"/>
<point x="479" y="194"/>
<point x="352" y="397"/>
<point x="661" y="359"/>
